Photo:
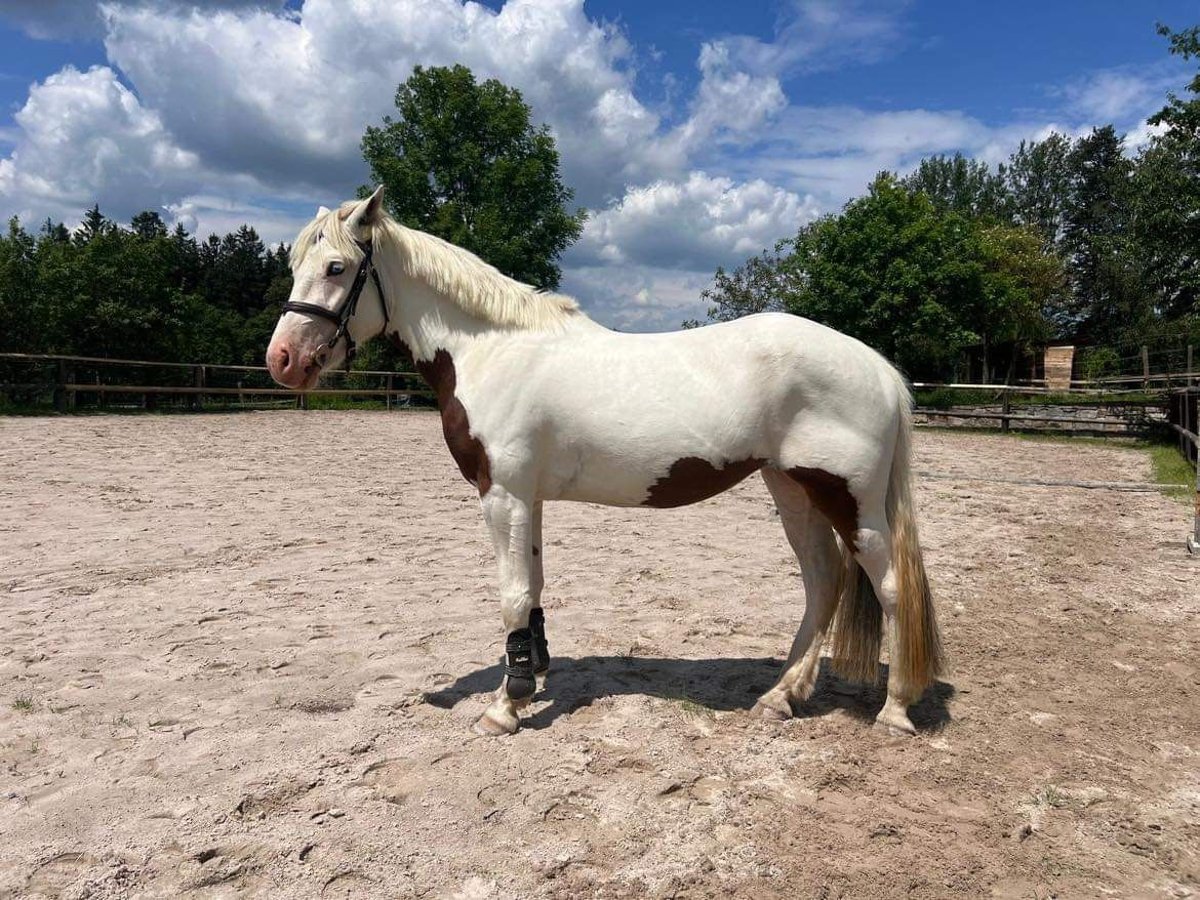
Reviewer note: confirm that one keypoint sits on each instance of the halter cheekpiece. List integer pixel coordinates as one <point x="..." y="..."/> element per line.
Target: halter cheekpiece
<point x="345" y="310"/>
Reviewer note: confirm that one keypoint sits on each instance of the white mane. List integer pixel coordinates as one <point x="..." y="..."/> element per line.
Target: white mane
<point x="479" y="289"/>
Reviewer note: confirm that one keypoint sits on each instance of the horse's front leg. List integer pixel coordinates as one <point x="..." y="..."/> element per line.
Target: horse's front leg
<point x="510" y="519"/>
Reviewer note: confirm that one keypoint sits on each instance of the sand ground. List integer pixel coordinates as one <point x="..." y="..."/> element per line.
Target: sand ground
<point x="240" y="655"/>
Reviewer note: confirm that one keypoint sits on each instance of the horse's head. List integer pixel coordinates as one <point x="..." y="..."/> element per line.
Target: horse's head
<point x="332" y="269"/>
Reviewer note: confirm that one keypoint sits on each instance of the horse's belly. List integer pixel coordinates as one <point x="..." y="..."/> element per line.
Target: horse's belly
<point x="661" y="481"/>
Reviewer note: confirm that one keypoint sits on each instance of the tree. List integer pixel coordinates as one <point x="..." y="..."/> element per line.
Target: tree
<point x="148" y="225"/>
<point x="1108" y="299"/>
<point x="965" y="186"/>
<point x="1023" y="291"/>
<point x="760" y="284"/>
<point x="1037" y="179"/>
<point x="94" y="225"/>
<point x="463" y="161"/>
<point x="893" y="272"/>
<point x="1166" y="197"/>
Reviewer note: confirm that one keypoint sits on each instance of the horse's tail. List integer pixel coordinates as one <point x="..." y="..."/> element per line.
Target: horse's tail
<point x="919" y="646"/>
<point x="858" y="625"/>
<point x="858" y="629"/>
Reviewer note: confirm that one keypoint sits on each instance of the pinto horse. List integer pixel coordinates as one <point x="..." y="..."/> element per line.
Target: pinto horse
<point x="538" y="402"/>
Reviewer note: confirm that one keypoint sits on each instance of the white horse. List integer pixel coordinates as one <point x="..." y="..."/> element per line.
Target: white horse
<point x="538" y="402"/>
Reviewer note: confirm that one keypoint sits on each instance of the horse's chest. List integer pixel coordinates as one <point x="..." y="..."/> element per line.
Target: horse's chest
<point x="467" y="450"/>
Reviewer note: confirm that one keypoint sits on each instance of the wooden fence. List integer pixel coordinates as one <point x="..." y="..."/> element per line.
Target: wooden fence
<point x="1129" y="411"/>
<point x="29" y="379"/>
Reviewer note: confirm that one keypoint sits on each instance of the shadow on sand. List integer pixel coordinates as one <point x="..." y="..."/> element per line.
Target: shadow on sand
<point x="719" y="684"/>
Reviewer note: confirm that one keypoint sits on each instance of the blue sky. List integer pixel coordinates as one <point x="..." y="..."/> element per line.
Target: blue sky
<point x="696" y="133"/>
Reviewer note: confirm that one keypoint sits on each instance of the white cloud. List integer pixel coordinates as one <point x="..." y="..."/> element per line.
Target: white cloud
<point x="698" y="223"/>
<point x="84" y="137"/>
<point x="820" y="34"/>
<point x="639" y="298"/>
<point x="1121" y="96"/>
<point x="287" y="99"/>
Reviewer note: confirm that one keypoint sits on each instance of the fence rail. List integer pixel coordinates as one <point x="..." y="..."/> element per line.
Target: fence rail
<point x="193" y="382"/>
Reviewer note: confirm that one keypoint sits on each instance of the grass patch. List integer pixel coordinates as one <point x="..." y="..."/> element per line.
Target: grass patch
<point x="23" y="703"/>
<point x="1174" y="470"/>
<point x="689" y="707"/>
<point x="1050" y="796"/>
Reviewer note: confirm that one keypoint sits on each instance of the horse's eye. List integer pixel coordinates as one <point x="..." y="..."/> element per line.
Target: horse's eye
<point x="335" y="268"/>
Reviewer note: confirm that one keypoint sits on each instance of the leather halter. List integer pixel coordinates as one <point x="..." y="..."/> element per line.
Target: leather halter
<point x="345" y="310"/>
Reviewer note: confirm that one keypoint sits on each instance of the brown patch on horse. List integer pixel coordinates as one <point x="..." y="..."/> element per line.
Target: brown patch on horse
<point x="692" y="479"/>
<point x="831" y="495"/>
<point x="466" y="449"/>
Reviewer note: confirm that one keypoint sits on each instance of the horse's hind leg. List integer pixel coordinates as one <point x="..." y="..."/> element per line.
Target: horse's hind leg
<point x="873" y="552"/>
<point x="812" y="538"/>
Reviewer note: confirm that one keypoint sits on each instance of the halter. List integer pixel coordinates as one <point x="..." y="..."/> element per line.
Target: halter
<point x="345" y="310"/>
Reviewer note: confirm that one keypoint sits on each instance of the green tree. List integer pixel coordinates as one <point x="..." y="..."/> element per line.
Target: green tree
<point x="894" y="273"/>
<point x="1023" y="293"/>
<point x="961" y="185"/>
<point x="760" y="284"/>
<point x="1166" y="198"/>
<point x="1037" y="180"/>
<point x="462" y="160"/>
<point x="148" y="225"/>
<point x="1109" y="301"/>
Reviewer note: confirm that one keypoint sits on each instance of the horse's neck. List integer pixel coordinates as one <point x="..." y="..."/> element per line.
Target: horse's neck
<point x="428" y="323"/>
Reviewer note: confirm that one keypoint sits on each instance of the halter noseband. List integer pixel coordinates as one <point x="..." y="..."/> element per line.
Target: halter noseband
<point x="345" y="311"/>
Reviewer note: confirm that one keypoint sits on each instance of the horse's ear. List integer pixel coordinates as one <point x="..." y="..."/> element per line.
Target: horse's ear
<point x="374" y="207"/>
<point x="323" y="211"/>
<point x="368" y="211"/>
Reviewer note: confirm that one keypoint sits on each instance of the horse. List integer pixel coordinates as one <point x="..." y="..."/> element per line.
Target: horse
<point x="538" y="403"/>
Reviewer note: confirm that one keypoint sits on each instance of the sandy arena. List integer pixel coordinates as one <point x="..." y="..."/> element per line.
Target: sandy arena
<point x="240" y="656"/>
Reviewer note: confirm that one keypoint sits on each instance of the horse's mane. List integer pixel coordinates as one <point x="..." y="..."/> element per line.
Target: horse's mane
<point x="460" y="276"/>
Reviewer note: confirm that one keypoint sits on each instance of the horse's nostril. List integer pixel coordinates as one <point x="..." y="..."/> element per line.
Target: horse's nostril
<point x="284" y="358"/>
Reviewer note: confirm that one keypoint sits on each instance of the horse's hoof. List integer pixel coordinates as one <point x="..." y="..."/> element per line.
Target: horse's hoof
<point x="895" y="726"/>
<point x="773" y="708"/>
<point x="894" y="717"/>
<point x="493" y="724"/>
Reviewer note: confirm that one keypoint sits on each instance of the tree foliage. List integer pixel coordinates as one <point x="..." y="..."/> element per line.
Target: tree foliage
<point x="139" y="292"/>
<point x="462" y="160"/>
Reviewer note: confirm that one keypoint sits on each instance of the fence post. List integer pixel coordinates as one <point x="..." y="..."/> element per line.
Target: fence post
<point x="1189" y="366"/>
<point x="197" y="382"/>
<point x="1145" y="366"/>
<point x="1004" y="423"/>
<point x="389" y="392"/>
<point x="302" y="401"/>
<point x="61" y="402"/>
<point x="1193" y="540"/>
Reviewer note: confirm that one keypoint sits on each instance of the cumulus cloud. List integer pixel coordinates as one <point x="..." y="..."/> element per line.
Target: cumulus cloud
<point x="287" y="98"/>
<point x="84" y="137"/>
<point x="698" y="223"/>
<point x="639" y="298"/>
